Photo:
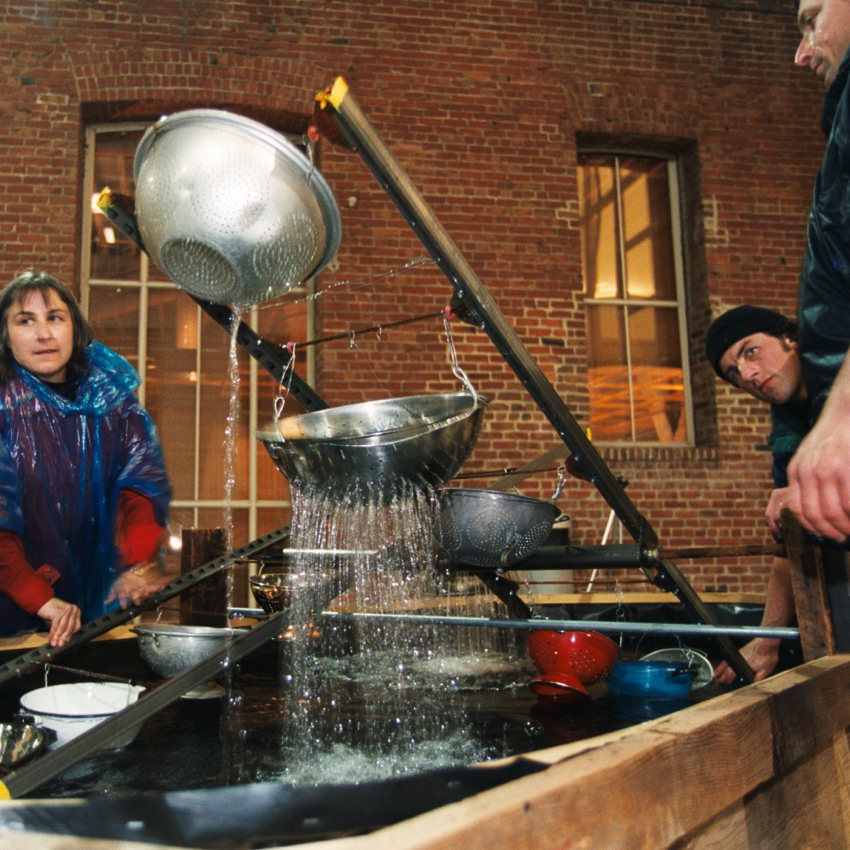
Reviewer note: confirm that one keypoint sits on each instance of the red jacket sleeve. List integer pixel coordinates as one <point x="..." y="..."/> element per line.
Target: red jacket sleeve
<point x="138" y="531"/>
<point x="18" y="580"/>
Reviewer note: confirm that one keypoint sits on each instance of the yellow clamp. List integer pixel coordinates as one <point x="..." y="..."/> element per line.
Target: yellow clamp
<point x="333" y="95"/>
<point x="104" y="200"/>
<point x="4" y="792"/>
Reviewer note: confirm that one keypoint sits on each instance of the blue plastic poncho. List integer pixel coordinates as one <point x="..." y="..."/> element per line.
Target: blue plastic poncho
<point x="62" y="465"/>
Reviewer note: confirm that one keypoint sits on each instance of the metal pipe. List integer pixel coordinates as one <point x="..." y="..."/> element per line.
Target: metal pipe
<point x="616" y="627"/>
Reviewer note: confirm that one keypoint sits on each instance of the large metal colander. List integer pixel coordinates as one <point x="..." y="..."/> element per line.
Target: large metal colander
<point x="231" y="210"/>
<point x="375" y="451"/>
<point x="492" y="529"/>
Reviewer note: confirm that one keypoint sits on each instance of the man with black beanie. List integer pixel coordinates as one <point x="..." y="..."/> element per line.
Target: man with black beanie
<point x="755" y="349"/>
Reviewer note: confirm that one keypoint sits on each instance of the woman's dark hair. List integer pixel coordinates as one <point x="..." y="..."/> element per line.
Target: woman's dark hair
<point x="16" y="291"/>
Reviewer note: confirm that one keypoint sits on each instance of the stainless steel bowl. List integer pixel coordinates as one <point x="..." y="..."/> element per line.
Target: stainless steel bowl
<point x="492" y="529"/>
<point x="274" y="590"/>
<point x="172" y="649"/>
<point x="375" y="451"/>
<point x="231" y="210"/>
<point x="20" y="741"/>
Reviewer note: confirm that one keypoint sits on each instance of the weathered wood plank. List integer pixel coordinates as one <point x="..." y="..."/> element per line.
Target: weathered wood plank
<point x="814" y="616"/>
<point x="807" y="809"/>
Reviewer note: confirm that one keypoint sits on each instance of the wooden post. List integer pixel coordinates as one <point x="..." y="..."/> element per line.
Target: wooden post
<point x="808" y="581"/>
<point x="204" y="604"/>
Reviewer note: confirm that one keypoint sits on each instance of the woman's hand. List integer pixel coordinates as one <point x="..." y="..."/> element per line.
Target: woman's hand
<point x="64" y="619"/>
<point x="136" y="584"/>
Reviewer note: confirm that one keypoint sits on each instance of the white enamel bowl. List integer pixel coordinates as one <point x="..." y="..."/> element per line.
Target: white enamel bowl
<point x="70" y="710"/>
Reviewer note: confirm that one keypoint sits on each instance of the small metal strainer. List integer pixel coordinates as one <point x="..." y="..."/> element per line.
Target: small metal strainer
<point x="492" y="529"/>
<point x="231" y="210"/>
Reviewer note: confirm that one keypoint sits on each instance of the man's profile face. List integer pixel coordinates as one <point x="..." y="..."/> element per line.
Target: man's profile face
<point x="767" y="367"/>
<point x="825" y="29"/>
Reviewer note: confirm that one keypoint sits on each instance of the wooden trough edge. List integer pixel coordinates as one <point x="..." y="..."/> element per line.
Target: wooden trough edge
<point x="765" y="766"/>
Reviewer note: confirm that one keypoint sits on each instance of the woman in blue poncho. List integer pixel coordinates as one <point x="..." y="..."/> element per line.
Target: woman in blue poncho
<point x="83" y="489"/>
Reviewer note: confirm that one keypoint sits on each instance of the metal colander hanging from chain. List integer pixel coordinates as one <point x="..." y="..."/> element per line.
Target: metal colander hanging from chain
<point x="492" y="529"/>
<point x="231" y="210"/>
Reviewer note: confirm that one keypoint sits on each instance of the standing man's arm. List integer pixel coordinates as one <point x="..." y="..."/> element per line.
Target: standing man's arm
<point x="762" y="653"/>
<point x="819" y="474"/>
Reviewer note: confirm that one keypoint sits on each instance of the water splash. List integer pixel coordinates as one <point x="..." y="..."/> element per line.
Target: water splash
<point x="372" y="556"/>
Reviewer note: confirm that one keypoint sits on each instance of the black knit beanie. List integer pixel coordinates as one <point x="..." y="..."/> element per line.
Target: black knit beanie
<point x="737" y="323"/>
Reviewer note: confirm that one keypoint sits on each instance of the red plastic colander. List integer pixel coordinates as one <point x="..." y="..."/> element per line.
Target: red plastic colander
<point x="588" y="656"/>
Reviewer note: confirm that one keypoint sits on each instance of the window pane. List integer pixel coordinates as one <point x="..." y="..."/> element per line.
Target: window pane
<point x="113" y="256"/>
<point x="598" y="204"/>
<point x="608" y="374"/>
<point x="647" y="229"/>
<point x="636" y="375"/>
<point x="171" y="383"/>
<point x="659" y="397"/>
<point x="114" y="312"/>
<point x="269" y="519"/>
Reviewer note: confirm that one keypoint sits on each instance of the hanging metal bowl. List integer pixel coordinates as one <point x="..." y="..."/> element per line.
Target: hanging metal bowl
<point x="377" y="450"/>
<point x="171" y="649"/>
<point x="231" y="210"/>
<point x="492" y="529"/>
<point x="274" y="590"/>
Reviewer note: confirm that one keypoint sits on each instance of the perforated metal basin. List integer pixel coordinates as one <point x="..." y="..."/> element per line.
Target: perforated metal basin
<point x="171" y="649"/>
<point x="377" y="450"/>
<point x="492" y="529"/>
<point x="231" y="210"/>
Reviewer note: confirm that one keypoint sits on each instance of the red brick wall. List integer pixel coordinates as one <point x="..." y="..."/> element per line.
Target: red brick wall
<point x="482" y="103"/>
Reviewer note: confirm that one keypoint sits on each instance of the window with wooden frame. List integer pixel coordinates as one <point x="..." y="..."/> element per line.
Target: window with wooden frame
<point x="637" y="368"/>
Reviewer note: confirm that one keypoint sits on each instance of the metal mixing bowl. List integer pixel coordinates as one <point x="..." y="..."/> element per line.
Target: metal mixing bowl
<point x="21" y="741"/>
<point x="172" y="649"/>
<point x="492" y="529"/>
<point x="374" y="451"/>
<point x="231" y="210"/>
<point x="274" y="590"/>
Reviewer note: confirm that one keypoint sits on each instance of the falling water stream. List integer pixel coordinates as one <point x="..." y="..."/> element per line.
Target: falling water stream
<point x="404" y="680"/>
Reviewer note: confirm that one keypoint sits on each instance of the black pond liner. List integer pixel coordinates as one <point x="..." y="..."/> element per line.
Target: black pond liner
<point x="263" y="814"/>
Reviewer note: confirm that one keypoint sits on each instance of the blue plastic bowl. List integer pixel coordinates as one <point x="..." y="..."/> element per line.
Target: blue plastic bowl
<point x="649" y="679"/>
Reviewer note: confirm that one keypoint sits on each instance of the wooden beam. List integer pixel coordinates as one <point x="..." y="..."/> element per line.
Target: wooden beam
<point x="808" y="582"/>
